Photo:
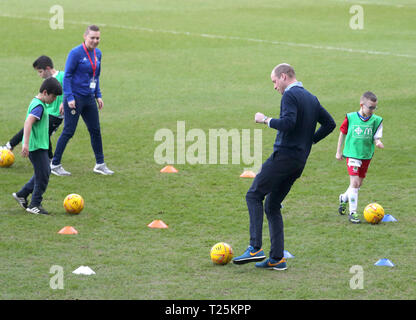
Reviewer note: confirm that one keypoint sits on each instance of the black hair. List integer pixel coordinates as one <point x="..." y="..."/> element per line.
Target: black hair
<point x="42" y="62"/>
<point x="51" y="85"/>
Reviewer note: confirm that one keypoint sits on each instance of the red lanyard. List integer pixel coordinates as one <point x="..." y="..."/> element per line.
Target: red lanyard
<point x="94" y="66"/>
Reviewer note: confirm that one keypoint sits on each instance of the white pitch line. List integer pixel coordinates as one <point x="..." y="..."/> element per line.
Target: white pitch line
<point x="222" y="37"/>
<point x="376" y="3"/>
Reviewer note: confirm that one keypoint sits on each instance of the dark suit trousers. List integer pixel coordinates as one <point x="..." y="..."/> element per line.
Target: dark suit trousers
<point x="274" y="181"/>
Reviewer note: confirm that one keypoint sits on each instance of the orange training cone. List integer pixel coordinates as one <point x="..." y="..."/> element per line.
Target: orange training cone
<point x="68" y="230"/>
<point x="248" y="174"/>
<point x="169" y="169"/>
<point x="157" y="224"/>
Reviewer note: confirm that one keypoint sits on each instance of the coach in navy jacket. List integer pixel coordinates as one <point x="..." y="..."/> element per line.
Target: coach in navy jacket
<point x="81" y="95"/>
<point x="300" y="111"/>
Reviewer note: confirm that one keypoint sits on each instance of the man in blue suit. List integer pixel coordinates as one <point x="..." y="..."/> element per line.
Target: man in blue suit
<point x="300" y="111"/>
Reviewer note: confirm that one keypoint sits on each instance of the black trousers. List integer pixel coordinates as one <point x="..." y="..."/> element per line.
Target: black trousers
<point x="54" y="123"/>
<point x="39" y="182"/>
<point x="274" y="182"/>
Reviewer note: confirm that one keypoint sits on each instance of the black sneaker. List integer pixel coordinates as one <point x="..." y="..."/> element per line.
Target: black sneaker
<point x="20" y="200"/>
<point x="36" y="210"/>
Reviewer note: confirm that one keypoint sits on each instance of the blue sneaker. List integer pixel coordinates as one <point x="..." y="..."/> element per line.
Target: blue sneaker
<point x="273" y="264"/>
<point x="250" y="255"/>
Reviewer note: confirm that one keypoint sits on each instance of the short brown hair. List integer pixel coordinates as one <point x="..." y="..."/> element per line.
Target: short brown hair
<point x="284" y="68"/>
<point x="92" y="27"/>
<point x="368" y="95"/>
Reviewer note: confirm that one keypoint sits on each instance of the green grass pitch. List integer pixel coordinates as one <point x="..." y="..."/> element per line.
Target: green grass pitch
<point x="208" y="63"/>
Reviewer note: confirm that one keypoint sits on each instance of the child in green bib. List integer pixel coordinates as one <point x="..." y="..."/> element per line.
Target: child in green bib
<point x="360" y="132"/>
<point x="35" y="145"/>
<point x="45" y="69"/>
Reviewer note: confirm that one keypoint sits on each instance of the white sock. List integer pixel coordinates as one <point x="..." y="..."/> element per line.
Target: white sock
<point x="353" y="199"/>
<point x="344" y="196"/>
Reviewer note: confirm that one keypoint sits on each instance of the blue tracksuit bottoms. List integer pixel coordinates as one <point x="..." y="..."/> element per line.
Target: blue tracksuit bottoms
<point x="86" y="107"/>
